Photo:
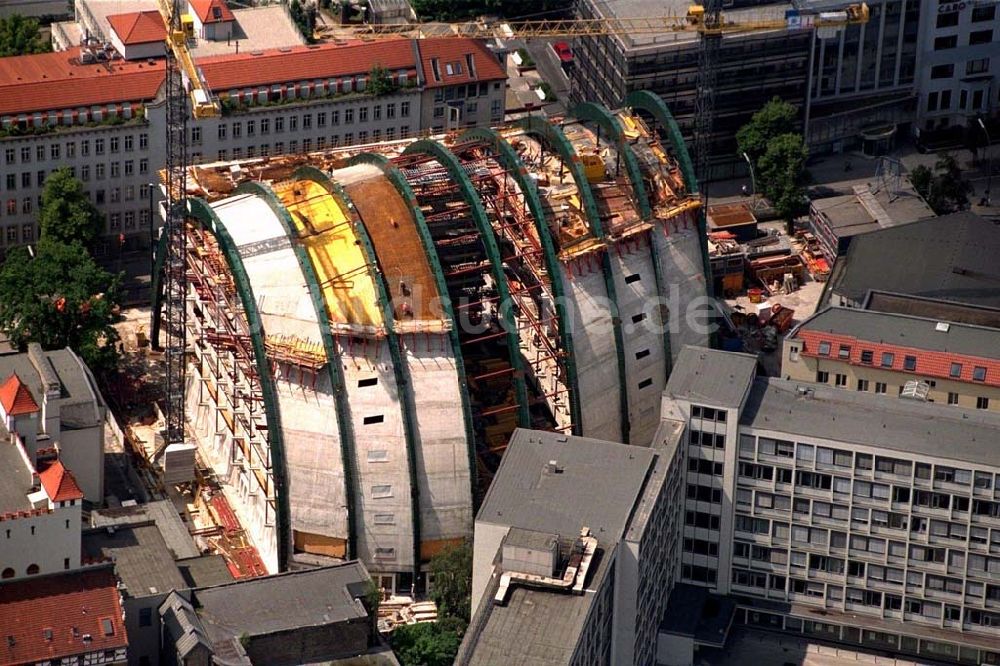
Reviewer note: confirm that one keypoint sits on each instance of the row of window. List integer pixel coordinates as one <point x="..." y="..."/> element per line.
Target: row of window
<point x="249" y="128"/>
<point x="881" y="388"/>
<point x="59" y="151"/>
<point x="979" y="15"/>
<point x="307" y="145"/>
<point x="127" y="169"/>
<point x="972" y="67"/>
<point x="888" y="360"/>
<point x="862" y="462"/>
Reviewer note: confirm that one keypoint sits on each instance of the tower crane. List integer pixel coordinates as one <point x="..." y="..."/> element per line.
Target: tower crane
<point x="183" y="81"/>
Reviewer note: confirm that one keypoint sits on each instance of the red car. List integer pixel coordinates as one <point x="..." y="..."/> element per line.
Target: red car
<point x="564" y="52"/>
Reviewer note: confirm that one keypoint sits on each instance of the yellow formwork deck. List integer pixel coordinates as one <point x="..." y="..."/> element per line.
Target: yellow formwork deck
<point x="327" y="233"/>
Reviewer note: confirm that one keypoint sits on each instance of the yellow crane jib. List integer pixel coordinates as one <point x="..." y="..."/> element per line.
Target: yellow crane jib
<point x="203" y="103"/>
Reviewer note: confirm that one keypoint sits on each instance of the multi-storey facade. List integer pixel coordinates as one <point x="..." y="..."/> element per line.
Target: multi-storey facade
<point x="106" y="121"/>
<point x="884" y="353"/>
<point x="871" y="521"/>
<point x="958" y="67"/>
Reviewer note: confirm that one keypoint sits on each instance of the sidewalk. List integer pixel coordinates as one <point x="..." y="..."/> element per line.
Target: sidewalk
<point x="838" y="174"/>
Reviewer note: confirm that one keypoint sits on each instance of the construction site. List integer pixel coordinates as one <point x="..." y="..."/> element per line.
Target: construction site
<point x="366" y="327"/>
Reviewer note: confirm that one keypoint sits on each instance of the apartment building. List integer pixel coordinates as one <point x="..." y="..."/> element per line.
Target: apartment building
<point x="752" y="68"/>
<point x="895" y="354"/>
<point x="106" y="120"/>
<point x="573" y="550"/>
<point x="866" y="520"/>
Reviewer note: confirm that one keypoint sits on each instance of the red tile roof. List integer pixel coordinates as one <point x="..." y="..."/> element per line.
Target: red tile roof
<point x="324" y="61"/>
<point x="66" y="607"/>
<point x="59" y="483"/>
<point x="54" y="81"/>
<point x="204" y="9"/>
<point x="138" y="27"/>
<point x="16" y="398"/>
<point x="929" y="363"/>
<point x="451" y="51"/>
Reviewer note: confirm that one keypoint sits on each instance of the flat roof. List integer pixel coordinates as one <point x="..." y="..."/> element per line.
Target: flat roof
<point x="868" y="210"/>
<point x="711" y="376"/>
<point x="918" y="428"/>
<point x="645" y="9"/>
<point x="205" y="571"/>
<point x="956" y="255"/>
<point x="15" y="481"/>
<point x="534" y="627"/>
<point x="932" y="308"/>
<point x="907" y="331"/>
<point x="142" y="560"/>
<point x="531" y="539"/>
<point x="162" y="512"/>
<point x="597" y="487"/>
<point x="292" y="600"/>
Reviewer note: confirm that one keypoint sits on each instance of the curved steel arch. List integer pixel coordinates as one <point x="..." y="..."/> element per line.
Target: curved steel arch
<point x="201" y="211"/>
<point x="398" y="181"/>
<point x="399" y="369"/>
<point x="555" y="137"/>
<point x="613" y="127"/>
<point x="448" y="160"/>
<point x="507" y="157"/>
<point x="333" y="362"/>
<point x="656" y="107"/>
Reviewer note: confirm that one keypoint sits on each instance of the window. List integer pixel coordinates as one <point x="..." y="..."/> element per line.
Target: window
<point x="404" y="109"/>
<point x="824" y="349"/>
<point x="279" y="124"/>
<point x="381" y="492"/>
<point x="143" y="142"/>
<point x="943" y="43"/>
<point x="947" y="20"/>
<point x="116" y="169"/>
<point x="25" y="154"/>
<point x="985" y="13"/>
<point x="251" y="127"/>
<point x="98" y="146"/>
<point x="980" y="37"/>
<point x="979" y="374"/>
<point x="348" y="116"/>
<point x="910" y="363"/>
<point x="54" y="151"/>
<point x="822" y="377"/>
<point x="942" y="71"/>
<point x="840" y="380"/>
<point x="880" y="387"/>
<point x="26" y="179"/>
<point x="844" y="352"/>
<point x="862" y="384"/>
<point x="307" y="121"/>
<point x="144" y="165"/>
<point x="70" y="150"/>
<point x="982" y="403"/>
<point x="293" y="123"/>
<point x="10" y="155"/>
<point x="888" y="358"/>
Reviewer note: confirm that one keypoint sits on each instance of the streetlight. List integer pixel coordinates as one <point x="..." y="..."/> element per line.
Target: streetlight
<point x="989" y="161"/>
<point x="753" y="181"/>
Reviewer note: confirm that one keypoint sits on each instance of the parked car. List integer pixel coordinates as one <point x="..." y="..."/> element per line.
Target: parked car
<point x="564" y="52"/>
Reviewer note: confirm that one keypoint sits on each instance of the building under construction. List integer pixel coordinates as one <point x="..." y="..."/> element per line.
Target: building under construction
<point x="367" y="327"/>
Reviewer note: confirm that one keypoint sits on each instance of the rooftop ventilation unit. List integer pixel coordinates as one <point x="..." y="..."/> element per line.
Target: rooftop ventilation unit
<point x="942" y="326"/>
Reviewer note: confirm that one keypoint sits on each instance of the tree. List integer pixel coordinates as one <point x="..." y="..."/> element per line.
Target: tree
<point x="943" y="188"/>
<point x="774" y="119"/>
<point x="20" y="36"/>
<point x="782" y="175"/>
<point x="452" y="571"/>
<point x="66" y="215"/>
<point x="60" y="298"/>
<point x="428" y="643"/>
<point x="379" y="82"/>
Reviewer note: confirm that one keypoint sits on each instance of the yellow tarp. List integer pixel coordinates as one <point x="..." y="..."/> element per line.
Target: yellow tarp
<point x="326" y="232"/>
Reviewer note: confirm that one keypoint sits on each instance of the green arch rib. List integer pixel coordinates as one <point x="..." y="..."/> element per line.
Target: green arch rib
<point x="333" y="362"/>
<point x="506" y="155"/>
<point x="556" y="139"/>
<point x="202" y="212"/>
<point x="399" y="369"/>
<point x="656" y="107"/>
<point x="448" y="160"/>
<point x="613" y="128"/>
<point x="398" y="181"/>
